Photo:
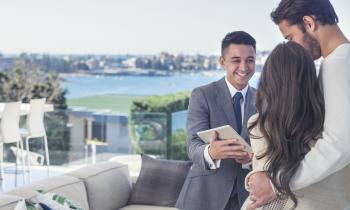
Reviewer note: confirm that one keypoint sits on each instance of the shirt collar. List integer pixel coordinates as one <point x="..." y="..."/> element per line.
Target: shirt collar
<point x="233" y="90"/>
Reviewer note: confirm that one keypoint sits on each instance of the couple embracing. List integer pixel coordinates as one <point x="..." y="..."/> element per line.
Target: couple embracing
<point x="296" y="122"/>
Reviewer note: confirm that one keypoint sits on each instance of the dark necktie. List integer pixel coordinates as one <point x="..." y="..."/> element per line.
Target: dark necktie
<point x="237" y="109"/>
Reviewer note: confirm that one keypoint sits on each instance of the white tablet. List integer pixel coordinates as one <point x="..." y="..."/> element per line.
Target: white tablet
<point x="224" y="132"/>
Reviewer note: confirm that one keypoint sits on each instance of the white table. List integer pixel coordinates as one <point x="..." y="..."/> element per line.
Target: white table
<point x="25" y="108"/>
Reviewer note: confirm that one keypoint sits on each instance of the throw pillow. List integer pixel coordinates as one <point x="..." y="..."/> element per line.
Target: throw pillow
<point x="27" y="205"/>
<point x="53" y="201"/>
<point x="159" y="182"/>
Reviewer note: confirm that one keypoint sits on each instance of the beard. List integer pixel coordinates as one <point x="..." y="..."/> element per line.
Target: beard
<point x="312" y="45"/>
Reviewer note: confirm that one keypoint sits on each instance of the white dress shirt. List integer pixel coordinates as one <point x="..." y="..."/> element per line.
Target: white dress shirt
<point x="214" y="164"/>
<point x="332" y="152"/>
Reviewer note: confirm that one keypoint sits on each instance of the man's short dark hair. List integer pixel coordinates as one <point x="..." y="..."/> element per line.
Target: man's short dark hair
<point x="237" y="37"/>
<point x="293" y="12"/>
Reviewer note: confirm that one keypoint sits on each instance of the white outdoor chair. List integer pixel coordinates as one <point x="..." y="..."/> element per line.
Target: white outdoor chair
<point x="36" y="129"/>
<point x="10" y="133"/>
<point x="35" y="159"/>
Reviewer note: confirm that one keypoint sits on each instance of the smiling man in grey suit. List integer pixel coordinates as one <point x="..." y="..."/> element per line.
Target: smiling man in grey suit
<point x="216" y="179"/>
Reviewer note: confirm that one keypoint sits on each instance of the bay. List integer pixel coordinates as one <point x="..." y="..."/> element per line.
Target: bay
<point x="91" y="85"/>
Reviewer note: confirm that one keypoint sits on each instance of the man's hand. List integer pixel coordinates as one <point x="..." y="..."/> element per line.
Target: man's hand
<point x="246" y="159"/>
<point x="261" y="191"/>
<point x="225" y="149"/>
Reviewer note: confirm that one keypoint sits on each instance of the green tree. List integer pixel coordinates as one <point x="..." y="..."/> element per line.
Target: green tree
<point x="28" y="81"/>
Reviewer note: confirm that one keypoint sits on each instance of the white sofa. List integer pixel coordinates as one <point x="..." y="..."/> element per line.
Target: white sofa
<point x="103" y="186"/>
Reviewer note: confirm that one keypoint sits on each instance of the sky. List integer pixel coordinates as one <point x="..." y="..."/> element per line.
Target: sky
<point x="138" y="26"/>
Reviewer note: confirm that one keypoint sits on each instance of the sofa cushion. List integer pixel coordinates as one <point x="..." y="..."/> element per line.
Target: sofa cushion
<point x="67" y="186"/>
<point x="9" y="202"/>
<point x="147" y="207"/>
<point x="108" y="185"/>
<point x="159" y="182"/>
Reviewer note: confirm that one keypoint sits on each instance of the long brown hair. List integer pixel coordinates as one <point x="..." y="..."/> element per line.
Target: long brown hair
<point x="290" y="105"/>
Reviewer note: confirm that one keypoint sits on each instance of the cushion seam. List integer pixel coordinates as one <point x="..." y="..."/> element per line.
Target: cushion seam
<point x="12" y="202"/>
<point x="51" y="189"/>
<point x="98" y="173"/>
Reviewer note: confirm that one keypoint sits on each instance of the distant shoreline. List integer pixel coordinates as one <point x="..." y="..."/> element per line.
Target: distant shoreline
<point x="134" y="72"/>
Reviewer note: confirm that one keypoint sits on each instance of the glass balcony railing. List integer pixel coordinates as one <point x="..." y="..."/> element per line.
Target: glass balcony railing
<point x="81" y="136"/>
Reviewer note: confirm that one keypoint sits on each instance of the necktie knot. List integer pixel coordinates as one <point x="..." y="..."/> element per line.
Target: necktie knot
<point x="237" y="97"/>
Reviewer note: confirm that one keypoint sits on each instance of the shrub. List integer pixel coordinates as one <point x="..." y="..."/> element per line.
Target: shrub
<point x="157" y="105"/>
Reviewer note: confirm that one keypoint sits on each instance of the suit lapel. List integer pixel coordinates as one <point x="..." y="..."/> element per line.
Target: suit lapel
<point x="225" y="101"/>
<point x="249" y="110"/>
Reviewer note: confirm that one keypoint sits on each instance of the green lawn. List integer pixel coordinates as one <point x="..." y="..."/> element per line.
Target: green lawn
<point x="115" y="103"/>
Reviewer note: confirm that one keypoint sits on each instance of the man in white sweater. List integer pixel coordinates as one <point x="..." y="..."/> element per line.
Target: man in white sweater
<point x="313" y="24"/>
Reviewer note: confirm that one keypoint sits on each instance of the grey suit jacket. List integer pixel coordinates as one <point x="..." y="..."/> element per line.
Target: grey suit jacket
<point x="211" y="106"/>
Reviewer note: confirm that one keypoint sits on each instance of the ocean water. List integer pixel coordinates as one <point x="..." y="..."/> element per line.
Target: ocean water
<point x="90" y="85"/>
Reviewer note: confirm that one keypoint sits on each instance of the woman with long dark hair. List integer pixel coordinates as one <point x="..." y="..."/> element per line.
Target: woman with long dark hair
<point x="289" y="119"/>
